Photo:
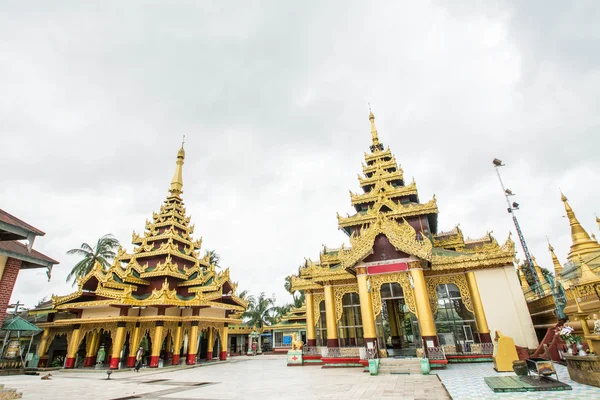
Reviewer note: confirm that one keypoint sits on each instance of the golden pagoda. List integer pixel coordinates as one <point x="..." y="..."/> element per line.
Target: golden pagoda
<point x="400" y="280"/>
<point x="576" y="286"/>
<point x="163" y="293"/>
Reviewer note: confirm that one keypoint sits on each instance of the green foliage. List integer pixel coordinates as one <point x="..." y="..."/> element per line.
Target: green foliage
<point x="214" y="258"/>
<point x="260" y="310"/>
<point x="103" y="253"/>
<point x="57" y="362"/>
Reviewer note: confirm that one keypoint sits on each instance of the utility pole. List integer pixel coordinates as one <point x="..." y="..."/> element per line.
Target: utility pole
<point x="511" y="210"/>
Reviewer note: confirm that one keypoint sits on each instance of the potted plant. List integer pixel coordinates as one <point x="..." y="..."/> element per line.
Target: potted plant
<point x="565" y="334"/>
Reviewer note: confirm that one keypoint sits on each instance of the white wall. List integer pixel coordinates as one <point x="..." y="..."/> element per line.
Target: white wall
<point x="505" y="306"/>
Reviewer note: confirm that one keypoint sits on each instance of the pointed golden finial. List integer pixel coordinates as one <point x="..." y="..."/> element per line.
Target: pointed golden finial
<point x="374" y="137"/>
<point x="598" y="221"/>
<point x="586" y="272"/>
<point x="580" y="240"/>
<point x="177" y="181"/>
<point x="524" y="284"/>
<point x="555" y="262"/>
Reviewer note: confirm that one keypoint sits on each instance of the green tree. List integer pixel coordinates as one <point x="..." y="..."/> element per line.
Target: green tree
<point x="299" y="299"/>
<point x="214" y="258"/>
<point x="243" y="295"/>
<point x="103" y="253"/>
<point x="259" y="312"/>
<point x="288" y="284"/>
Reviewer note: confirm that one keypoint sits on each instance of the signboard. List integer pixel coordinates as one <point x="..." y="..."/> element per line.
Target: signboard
<point x="287" y="340"/>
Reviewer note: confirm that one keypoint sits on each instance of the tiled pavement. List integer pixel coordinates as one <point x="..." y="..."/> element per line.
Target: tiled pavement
<point x="465" y="381"/>
<point x="267" y="377"/>
<point x="264" y="377"/>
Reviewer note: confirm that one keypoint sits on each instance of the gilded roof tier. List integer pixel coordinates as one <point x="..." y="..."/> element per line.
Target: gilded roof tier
<point x="386" y="208"/>
<point x="165" y="267"/>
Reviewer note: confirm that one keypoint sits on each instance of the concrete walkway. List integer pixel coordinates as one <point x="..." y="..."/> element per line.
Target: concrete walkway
<point x="264" y="377"/>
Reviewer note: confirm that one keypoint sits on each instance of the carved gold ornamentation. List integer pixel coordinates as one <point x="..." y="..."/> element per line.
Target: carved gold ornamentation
<point x="339" y="292"/>
<point x="317" y="299"/>
<point x="401" y="278"/>
<point x="459" y="280"/>
<point x="398" y="211"/>
<point x="401" y="235"/>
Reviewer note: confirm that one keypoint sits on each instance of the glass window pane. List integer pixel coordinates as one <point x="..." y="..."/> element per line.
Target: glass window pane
<point x="386" y="291"/>
<point x="396" y="290"/>
<point x="453" y="290"/>
<point x="441" y="292"/>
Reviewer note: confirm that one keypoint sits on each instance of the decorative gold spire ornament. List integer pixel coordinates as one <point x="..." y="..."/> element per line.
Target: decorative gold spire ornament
<point x="376" y="143"/>
<point x="555" y="262"/>
<point x="581" y="241"/>
<point x="177" y="181"/>
<point x="586" y="273"/>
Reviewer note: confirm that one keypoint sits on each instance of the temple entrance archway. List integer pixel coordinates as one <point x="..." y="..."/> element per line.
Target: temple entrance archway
<point x="398" y="328"/>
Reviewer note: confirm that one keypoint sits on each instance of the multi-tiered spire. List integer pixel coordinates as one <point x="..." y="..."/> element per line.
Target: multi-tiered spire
<point x="581" y="243"/>
<point x="167" y="247"/>
<point x="385" y="192"/>
<point x="165" y="267"/>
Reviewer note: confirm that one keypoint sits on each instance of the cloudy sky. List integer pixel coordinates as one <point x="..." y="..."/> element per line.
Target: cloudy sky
<point x="272" y="98"/>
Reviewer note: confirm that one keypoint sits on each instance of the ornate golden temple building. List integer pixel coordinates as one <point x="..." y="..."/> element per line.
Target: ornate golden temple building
<point x="572" y="294"/>
<point x="402" y="287"/>
<point x="162" y="295"/>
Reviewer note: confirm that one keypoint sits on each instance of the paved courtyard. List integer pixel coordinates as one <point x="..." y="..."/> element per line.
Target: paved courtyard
<point x="267" y="377"/>
<point x="465" y="382"/>
<point x="264" y="377"/>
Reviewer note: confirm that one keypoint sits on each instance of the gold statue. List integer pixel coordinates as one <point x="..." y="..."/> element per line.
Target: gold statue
<point x="596" y="325"/>
<point x="296" y="344"/>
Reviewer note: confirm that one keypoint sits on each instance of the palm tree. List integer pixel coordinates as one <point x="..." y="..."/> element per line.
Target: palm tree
<point x="288" y="283"/>
<point x="259" y="311"/>
<point x="299" y="300"/>
<point x="244" y="295"/>
<point x="213" y="258"/>
<point x="102" y="253"/>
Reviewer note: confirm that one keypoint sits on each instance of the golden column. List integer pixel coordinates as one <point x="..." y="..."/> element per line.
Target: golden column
<point x="44" y="344"/>
<point x="223" y="355"/>
<point x="366" y="307"/>
<point x="90" y="347"/>
<point x="482" y="325"/>
<point x="157" y="341"/>
<point x="311" y="336"/>
<point x="176" y="345"/>
<point x="332" y="333"/>
<point x="211" y="344"/>
<point x="73" y="346"/>
<point x="192" y="343"/>
<point x="424" y="314"/>
<point x="43" y="348"/>
<point x="134" y="344"/>
<point x="117" y="345"/>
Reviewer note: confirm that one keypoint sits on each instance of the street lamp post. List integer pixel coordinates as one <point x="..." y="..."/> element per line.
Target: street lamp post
<point x="511" y="210"/>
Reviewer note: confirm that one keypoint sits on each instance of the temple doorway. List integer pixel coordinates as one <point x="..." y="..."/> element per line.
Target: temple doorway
<point x="398" y="327"/>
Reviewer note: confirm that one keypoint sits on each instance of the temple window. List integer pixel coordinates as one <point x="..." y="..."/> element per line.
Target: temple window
<point x="322" y="325"/>
<point x="350" y="330"/>
<point x="455" y="324"/>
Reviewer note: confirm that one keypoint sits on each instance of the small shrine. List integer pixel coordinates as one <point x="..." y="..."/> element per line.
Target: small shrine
<point x="163" y="297"/>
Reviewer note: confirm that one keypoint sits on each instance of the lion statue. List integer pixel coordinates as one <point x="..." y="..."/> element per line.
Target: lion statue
<point x="296" y="344"/>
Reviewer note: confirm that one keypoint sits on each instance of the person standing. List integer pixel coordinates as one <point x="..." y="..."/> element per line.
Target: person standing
<point x="138" y="359"/>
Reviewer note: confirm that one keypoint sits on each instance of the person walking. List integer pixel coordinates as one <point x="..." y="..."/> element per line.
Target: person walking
<point x="138" y="359"/>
